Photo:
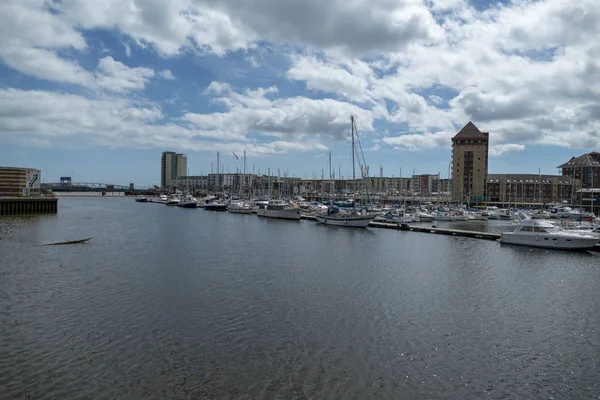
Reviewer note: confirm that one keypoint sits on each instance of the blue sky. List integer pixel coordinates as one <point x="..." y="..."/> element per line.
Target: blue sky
<point x="97" y="90"/>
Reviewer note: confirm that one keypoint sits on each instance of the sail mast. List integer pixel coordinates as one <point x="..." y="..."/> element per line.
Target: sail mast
<point x="353" y="170"/>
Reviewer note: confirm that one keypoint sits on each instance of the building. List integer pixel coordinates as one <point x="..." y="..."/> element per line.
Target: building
<point x="172" y="165"/>
<point x="19" y="182"/>
<point x="425" y="184"/>
<point x="532" y="188"/>
<point x="586" y="168"/>
<point x="469" y="164"/>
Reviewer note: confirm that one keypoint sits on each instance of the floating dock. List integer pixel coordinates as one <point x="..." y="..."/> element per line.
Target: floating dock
<point x="28" y="205"/>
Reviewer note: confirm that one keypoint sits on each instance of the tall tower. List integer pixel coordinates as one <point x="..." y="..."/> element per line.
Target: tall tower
<point x="181" y="165"/>
<point x="172" y="165"/>
<point x="469" y="164"/>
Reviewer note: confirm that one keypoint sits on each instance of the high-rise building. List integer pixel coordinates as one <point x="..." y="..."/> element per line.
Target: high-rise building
<point x="181" y="161"/>
<point x="469" y="164"/>
<point x="172" y="165"/>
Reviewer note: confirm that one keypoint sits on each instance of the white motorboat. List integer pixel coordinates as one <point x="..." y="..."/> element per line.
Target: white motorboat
<point x="173" y="200"/>
<point x="541" y="233"/>
<point x="279" y="209"/>
<point x="240" y="207"/>
<point x="352" y="219"/>
<point x="424" y="217"/>
<point x="188" y="201"/>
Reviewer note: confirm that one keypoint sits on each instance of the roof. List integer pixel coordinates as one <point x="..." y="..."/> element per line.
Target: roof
<point x="529" y="178"/>
<point x="586" y="160"/>
<point x="470" y="131"/>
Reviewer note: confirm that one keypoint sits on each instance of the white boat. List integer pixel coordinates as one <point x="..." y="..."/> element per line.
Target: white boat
<point x="279" y="209"/>
<point x="424" y="217"/>
<point x="173" y="200"/>
<point x="540" y="233"/>
<point x="352" y="219"/>
<point x="240" y="207"/>
<point x="188" y="201"/>
<point x="163" y="198"/>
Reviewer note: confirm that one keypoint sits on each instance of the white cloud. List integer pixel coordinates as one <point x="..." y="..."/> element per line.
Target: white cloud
<point x="117" y="77"/>
<point x="253" y="112"/>
<point x="507" y="148"/>
<point x="167" y="74"/>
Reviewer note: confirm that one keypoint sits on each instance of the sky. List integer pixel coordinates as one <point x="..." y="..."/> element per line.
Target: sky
<point x="97" y="90"/>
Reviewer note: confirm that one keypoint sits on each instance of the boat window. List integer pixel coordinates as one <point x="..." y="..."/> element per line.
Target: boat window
<point x="527" y="229"/>
<point x="540" y="229"/>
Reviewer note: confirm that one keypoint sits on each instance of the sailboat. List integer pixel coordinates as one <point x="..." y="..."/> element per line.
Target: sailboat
<point x="355" y="218"/>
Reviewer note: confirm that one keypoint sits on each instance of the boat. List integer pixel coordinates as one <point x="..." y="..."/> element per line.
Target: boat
<point x="540" y="233"/>
<point x="424" y="217"/>
<point x="352" y="219"/>
<point x="215" y="205"/>
<point x="188" y="201"/>
<point x="141" y="200"/>
<point x="240" y="207"/>
<point x="162" y="198"/>
<point x="351" y="216"/>
<point x="173" y="200"/>
<point x="279" y="209"/>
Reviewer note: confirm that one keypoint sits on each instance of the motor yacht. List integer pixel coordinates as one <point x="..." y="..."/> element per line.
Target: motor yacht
<point x="541" y="233"/>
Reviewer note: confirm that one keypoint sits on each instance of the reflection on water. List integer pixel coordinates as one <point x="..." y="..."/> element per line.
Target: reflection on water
<point x="176" y="303"/>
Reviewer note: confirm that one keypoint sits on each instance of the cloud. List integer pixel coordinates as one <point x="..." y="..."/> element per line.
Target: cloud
<point x="416" y="142"/>
<point x="507" y="148"/>
<point x="253" y="112"/>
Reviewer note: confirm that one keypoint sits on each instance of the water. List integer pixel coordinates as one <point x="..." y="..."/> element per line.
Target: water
<point x="187" y="304"/>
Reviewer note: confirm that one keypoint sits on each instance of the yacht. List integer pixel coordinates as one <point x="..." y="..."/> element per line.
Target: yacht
<point x="142" y="199"/>
<point x="353" y="219"/>
<point x="279" y="209"/>
<point x="215" y="205"/>
<point x="163" y="198"/>
<point x="188" y="201"/>
<point x="540" y="233"/>
<point x="173" y="200"/>
<point x="240" y="207"/>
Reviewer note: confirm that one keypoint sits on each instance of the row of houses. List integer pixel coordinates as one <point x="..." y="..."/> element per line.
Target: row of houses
<point x="422" y="185"/>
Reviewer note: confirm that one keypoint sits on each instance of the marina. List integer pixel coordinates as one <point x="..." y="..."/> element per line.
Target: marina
<point x="332" y="312"/>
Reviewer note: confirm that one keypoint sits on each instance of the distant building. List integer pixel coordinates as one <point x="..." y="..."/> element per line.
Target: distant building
<point x="19" y="182"/>
<point x="531" y="188"/>
<point x="586" y="168"/>
<point x="469" y="164"/>
<point x="172" y="165"/>
<point x="425" y="184"/>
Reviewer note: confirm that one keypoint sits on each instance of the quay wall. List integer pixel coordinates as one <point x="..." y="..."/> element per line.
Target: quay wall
<point x="28" y="205"/>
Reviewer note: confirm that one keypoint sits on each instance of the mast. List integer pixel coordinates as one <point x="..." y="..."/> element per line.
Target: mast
<point x="330" y="176"/>
<point x="353" y="170"/>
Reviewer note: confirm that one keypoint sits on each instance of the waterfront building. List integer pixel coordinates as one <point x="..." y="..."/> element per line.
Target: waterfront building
<point x="172" y="165"/>
<point x="532" y="188"/>
<point x="586" y="168"/>
<point x="19" y="182"/>
<point x="469" y="164"/>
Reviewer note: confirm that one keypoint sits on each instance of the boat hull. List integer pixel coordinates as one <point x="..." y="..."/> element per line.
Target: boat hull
<point x="191" y="204"/>
<point x="215" y="207"/>
<point x="172" y="203"/>
<point x="549" y="241"/>
<point x="240" y="210"/>
<point x="281" y="214"/>
<point x="351" y="222"/>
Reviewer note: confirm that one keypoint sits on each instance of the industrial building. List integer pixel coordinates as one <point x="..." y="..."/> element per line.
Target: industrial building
<point x="19" y="182"/>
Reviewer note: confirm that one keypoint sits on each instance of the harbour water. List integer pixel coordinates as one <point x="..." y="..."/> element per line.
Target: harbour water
<point x="187" y="304"/>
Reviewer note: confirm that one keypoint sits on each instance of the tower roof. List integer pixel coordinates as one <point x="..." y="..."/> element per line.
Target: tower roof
<point x="470" y="131"/>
